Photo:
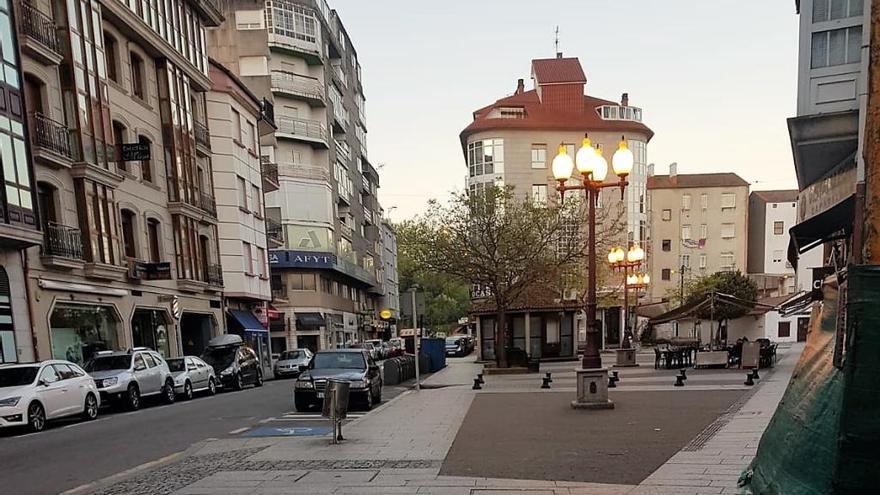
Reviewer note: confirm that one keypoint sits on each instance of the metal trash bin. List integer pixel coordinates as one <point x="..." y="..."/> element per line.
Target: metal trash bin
<point x="335" y="405"/>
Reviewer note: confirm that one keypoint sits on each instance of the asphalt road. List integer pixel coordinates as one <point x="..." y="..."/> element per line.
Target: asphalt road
<point x="73" y="453"/>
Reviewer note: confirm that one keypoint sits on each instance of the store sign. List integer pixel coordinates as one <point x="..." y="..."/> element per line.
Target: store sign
<point x="385" y="314"/>
<point x="156" y="271"/>
<point x="134" y="152"/>
<point x="301" y="259"/>
<point x="819" y="275"/>
<point x="824" y="194"/>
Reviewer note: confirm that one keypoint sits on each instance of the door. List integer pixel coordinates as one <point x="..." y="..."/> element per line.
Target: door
<point x="198" y="376"/>
<point x="245" y="365"/>
<point x="373" y="373"/>
<point x="50" y="392"/>
<point x="612" y="327"/>
<point x="74" y="390"/>
<point x="802" y="325"/>
<point x="154" y="374"/>
<point x="142" y="374"/>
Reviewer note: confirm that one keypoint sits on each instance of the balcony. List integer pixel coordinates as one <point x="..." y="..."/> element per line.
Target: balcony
<point x="211" y="10"/>
<point x="365" y="185"/>
<point x="39" y="38"/>
<point x="62" y="247"/>
<point x="270" y="176"/>
<point x="184" y="199"/>
<point x="51" y="141"/>
<point x="310" y="50"/>
<point x="311" y="131"/>
<point x="346" y="230"/>
<point x="274" y="232"/>
<point x="368" y="215"/>
<point x="208" y="204"/>
<point x="267" y="117"/>
<point x="301" y="171"/>
<point x="279" y="292"/>
<point x="203" y="138"/>
<point x="214" y="274"/>
<point x="339" y="74"/>
<point x="309" y="89"/>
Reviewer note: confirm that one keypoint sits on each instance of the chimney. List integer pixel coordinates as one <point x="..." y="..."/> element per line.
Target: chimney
<point x="650" y="170"/>
<point x="558" y="54"/>
<point x="520" y="87"/>
<point x="673" y="172"/>
<point x="624" y="100"/>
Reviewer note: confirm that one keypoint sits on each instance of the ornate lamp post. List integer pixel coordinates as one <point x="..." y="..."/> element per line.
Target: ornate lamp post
<point x="628" y="263"/>
<point x="592" y="378"/>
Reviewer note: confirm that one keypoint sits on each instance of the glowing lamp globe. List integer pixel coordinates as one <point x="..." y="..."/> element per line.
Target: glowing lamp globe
<point x="585" y="157"/>
<point x="600" y="166"/>
<point x="562" y="165"/>
<point x="623" y="159"/>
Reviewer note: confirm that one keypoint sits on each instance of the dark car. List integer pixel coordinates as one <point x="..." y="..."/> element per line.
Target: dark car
<point x="234" y="363"/>
<point x="355" y="366"/>
<point x="458" y="346"/>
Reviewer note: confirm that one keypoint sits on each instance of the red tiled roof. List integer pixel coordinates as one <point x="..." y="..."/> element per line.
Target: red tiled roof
<point x="724" y="179"/>
<point x="778" y="196"/>
<point x="558" y="70"/>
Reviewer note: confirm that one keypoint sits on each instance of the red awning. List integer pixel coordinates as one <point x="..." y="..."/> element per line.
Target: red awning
<point x="272" y="313"/>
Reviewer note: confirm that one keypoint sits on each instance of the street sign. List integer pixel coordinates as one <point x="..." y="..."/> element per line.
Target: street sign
<point x="134" y="152"/>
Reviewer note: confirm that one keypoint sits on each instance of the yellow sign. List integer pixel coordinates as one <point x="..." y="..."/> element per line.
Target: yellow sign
<point x="385" y="314"/>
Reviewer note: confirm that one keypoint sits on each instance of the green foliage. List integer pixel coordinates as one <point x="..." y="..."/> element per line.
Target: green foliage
<point x="731" y="283"/>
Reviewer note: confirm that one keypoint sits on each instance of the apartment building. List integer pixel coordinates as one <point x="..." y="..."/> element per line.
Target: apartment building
<point x="698" y="226"/>
<point x="771" y="215"/>
<point x="115" y="93"/>
<point x="239" y="121"/>
<point x="512" y="142"/>
<point x="19" y="213"/>
<point x="390" y="284"/>
<point x="326" y="277"/>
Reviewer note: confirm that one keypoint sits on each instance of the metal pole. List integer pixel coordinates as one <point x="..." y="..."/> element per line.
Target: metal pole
<point x="416" y="334"/>
<point x="592" y="359"/>
<point x="625" y="344"/>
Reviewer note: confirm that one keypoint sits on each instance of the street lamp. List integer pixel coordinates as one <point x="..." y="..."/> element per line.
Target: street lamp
<point x="593" y="169"/>
<point x="628" y="264"/>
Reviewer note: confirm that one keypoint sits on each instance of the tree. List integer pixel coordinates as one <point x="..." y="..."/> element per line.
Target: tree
<point x="731" y="295"/>
<point x="500" y="242"/>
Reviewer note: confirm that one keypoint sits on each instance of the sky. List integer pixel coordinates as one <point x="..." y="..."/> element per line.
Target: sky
<point x="716" y="80"/>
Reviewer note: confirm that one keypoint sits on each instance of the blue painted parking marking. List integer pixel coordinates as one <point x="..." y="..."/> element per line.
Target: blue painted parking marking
<point x="297" y="431"/>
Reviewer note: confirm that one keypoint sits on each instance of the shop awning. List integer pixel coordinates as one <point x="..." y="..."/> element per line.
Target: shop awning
<point x="245" y="321"/>
<point x="309" y="320"/>
<point x="833" y="223"/>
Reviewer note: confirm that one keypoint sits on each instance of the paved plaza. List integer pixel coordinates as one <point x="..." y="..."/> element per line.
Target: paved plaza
<point x="510" y="437"/>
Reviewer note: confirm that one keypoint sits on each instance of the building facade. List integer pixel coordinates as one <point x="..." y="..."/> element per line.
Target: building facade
<point x="512" y="142"/>
<point x="239" y="122"/>
<point x="19" y="212"/>
<point x="698" y="226"/>
<point x="122" y="163"/>
<point x="326" y="277"/>
<point x="391" y="287"/>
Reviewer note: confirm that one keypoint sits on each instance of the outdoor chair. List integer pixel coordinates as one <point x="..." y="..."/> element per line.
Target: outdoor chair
<point x="657" y="358"/>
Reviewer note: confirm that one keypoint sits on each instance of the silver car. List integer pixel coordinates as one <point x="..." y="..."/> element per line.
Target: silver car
<point x="289" y="362"/>
<point x="191" y="374"/>
<point x="125" y="377"/>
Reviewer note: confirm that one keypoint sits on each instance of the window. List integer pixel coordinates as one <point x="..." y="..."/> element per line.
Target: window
<point x="704" y="201"/>
<point x="665" y="274"/>
<point x="128" y="237"/>
<point x="727" y="261"/>
<point x="685" y="232"/>
<point x="667" y="245"/>
<point x="261" y="259"/>
<point x="257" y="204"/>
<point x="539" y="156"/>
<point x="138" y="84"/>
<point x="98" y="212"/>
<point x="119" y="140"/>
<point x="249" y="19"/>
<point x="253" y="130"/>
<point x="242" y="193"/>
<point x="486" y="157"/>
<point x="153" y="233"/>
<point x="666" y="215"/>
<point x="513" y="113"/>
<point x="703" y="260"/>
<point x="727" y="231"/>
<point x="146" y="165"/>
<point x="778" y="255"/>
<point x="236" y="127"/>
<point x="783" y="329"/>
<point x="829" y="10"/>
<point x="728" y="200"/>
<point x="111" y="48"/>
<point x="302" y="281"/>
<point x="151" y="363"/>
<point x="539" y="193"/>
<point x="286" y="18"/>
<point x="778" y="228"/>
<point x="686" y="202"/>
<point x="248" y="258"/>
<point x="49" y="375"/>
<point x="704" y="231"/>
<point x="836" y="47"/>
<point x="685" y="260"/>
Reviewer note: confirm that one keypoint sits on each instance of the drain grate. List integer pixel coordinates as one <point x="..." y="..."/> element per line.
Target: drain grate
<point x="704" y="436"/>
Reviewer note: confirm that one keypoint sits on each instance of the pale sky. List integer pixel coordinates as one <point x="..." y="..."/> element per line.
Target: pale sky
<point x="716" y="79"/>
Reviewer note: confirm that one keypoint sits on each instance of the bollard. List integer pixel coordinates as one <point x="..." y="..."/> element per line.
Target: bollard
<point x="549" y="378"/>
<point x="755" y="374"/>
<point x="477" y="384"/>
<point x="612" y="383"/>
<point x="683" y="374"/>
<point x="545" y="382"/>
<point x="616" y="376"/>
<point x="480" y="377"/>
<point x="749" y="380"/>
<point x="679" y="381"/>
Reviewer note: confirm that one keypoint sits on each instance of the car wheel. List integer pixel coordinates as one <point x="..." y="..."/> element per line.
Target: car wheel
<point x="237" y="384"/>
<point x="133" y="397"/>
<point x="379" y="394"/>
<point x="187" y="390"/>
<point x="368" y="401"/>
<point x="212" y="386"/>
<point x="168" y="392"/>
<point x="258" y="382"/>
<point x="90" y="409"/>
<point x="36" y="417"/>
<point x="301" y="405"/>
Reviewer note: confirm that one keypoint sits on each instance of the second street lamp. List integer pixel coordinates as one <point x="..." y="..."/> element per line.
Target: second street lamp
<point x="628" y="263"/>
<point x="592" y="386"/>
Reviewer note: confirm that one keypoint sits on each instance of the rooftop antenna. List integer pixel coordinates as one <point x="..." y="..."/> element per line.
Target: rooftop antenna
<point x="556" y="42"/>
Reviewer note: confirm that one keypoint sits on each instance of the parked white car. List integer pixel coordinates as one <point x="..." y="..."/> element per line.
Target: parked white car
<point x="191" y="374"/>
<point x="31" y="394"/>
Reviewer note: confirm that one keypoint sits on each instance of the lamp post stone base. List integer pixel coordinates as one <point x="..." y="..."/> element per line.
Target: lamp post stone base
<point x="592" y="389"/>
<point x="626" y="358"/>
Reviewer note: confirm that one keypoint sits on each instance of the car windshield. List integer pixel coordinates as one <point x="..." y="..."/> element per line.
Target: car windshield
<point x="452" y="341"/>
<point x="219" y="357"/>
<point x="291" y="355"/>
<point x="16" y="377"/>
<point x="105" y="363"/>
<point x="176" y="364"/>
<point x="346" y="360"/>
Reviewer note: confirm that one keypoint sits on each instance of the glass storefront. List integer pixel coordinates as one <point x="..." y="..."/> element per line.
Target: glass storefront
<point x="79" y="331"/>
<point x="150" y="328"/>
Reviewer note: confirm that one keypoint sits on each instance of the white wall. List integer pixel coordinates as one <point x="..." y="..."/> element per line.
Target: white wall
<point x="776" y="245"/>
